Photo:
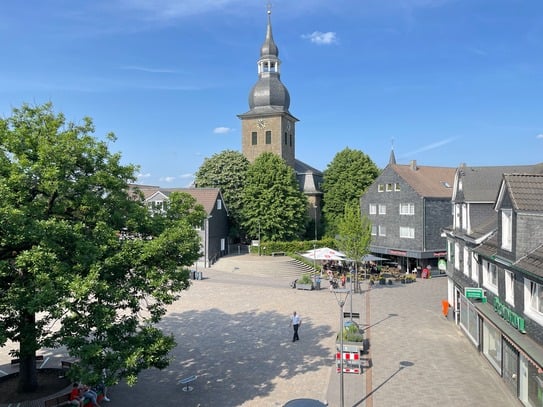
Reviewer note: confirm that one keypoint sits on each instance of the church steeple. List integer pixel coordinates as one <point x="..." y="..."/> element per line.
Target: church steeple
<point x="268" y="125"/>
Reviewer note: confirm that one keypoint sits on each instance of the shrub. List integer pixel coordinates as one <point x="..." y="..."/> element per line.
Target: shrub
<point x="305" y="279"/>
<point x="352" y="333"/>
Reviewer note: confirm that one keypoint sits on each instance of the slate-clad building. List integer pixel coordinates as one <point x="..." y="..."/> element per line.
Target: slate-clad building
<point x="495" y="271"/>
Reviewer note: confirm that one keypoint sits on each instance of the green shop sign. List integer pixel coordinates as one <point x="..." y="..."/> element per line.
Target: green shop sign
<point x="505" y="312"/>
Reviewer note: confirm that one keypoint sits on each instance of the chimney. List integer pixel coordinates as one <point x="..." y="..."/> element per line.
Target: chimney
<point x="413" y="165"/>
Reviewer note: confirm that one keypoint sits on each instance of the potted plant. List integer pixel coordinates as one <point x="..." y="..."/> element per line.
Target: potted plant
<point x="304" y="282"/>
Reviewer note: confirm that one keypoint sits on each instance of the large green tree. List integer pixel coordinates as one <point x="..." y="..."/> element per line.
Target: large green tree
<point x="83" y="264"/>
<point x="227" y="171"/>
<point x="273" y="207"/>
<point x="344" y="180"/>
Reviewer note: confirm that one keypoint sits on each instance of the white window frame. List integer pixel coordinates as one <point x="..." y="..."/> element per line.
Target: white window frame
<point x="407" y="232"/>
<point x="380" y="188"/>
<point x="373" y="230"/>
<point x="382" y="230"/>
<point x="474" y="269"/>
<point x="372" y="209"/>
<point x="510" y="287"/>
<point x="397" y="187"/>
<point x="219" y="204"/>
<point x="532" y="300"/>
<point x="407" y="209"/>
<point x="507" y="229"/>
<point x="457" y="256"/>
<point x="389" y="187"/>
<point x="465" y="258"/>
<point x="382" y="209"/>
<point x="490" y="276"/>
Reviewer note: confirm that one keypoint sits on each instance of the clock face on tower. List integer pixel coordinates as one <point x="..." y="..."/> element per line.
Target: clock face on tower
<point x="261" y="123"/>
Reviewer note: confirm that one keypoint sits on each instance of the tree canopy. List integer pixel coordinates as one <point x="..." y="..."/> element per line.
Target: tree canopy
<point x="273" y="207"/>
<point x="83" y="262"/>
<point x="227" y="171"/>
<point x="344" y="181"/>
<point x="354" y="232"/>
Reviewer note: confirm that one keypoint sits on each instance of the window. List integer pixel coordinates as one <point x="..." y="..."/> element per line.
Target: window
<point x="474" y="269"/>
<point x="510" y="287"/>
<point x="380" y="188"/>
<point x="291" y="140"/>
<point x="492" y="345"/>
<point x="464" y="217"/>
<point x="465" y="266"/>
<point x="408" y="233"/>
<point x="382" y="230"/>
<point x="457" y="212"/>
<point x="286" y="139"/>
<point x="373" y="230"/>
<point x="373" y="209"/>
<point x="268" y="137"/>
<point x="407" y="209"/>
<point x="507" y="229"/>
<point x="490" y="277"/>
<point x="533" y="300"/>
<point x="397" y="187"/>
<point x="389" y="187"/>
<point x="254" y="138"/>
<point x="457" y="256"/>
<point x="219" y="204"/>
<point x="382" y="209"/>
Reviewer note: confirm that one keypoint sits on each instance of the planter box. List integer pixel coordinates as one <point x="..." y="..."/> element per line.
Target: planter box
<point x="304" y="286"/>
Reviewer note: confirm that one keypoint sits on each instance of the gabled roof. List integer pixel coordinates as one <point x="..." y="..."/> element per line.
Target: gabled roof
<point x="525" y="190"/>
<point x="429" y="182"/>
<point x="489" y="247"/>
<point x="207" y="197"/>
<point x="481" y="184"/>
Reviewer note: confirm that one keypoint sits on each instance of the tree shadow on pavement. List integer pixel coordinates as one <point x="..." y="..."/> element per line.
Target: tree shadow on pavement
<point x="237" y="357"/>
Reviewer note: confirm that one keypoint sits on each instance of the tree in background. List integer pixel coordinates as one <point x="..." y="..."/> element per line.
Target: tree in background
<point x="227" y="171"/>
<point x="354" y="233"/>
<point x="68" y="277"/>
<point x="344" y="181"/>
<point x="273" y="207"/>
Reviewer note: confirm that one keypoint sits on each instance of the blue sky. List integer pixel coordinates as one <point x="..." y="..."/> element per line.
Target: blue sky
<point x="444" y="81"/>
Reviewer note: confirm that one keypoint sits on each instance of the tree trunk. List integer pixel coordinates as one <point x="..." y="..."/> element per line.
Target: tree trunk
<point x="28" y="374"/>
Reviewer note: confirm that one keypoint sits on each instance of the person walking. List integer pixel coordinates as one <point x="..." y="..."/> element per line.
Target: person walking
<point x="295" y="321"/>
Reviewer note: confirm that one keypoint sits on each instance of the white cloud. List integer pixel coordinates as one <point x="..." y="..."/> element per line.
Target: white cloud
<point x="146" y="175"/>
<point x="431" y="146"/>
<point x="167" y="179"/>
<point x="186" y="176"/>
<point x="222" y="130"/>
<point x="539" y="136"/>
<point x="320" y="38"/>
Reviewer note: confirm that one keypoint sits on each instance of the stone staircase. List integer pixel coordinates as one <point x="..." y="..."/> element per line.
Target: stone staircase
<point x="263" y="266"/>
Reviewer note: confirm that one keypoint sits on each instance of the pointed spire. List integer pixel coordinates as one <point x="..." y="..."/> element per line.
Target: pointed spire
<point x="269" y="48"/>
<point x="392" y="158"/>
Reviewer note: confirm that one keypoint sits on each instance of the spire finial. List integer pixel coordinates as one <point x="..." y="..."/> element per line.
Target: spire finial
<point x="269" y="6"/>
<point x="392" y="143"/>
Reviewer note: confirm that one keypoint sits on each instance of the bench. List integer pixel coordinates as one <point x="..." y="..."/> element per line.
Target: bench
<point x="64" y="400"/>
<point x="278" y="254"/>
<point x="186" y="381"/>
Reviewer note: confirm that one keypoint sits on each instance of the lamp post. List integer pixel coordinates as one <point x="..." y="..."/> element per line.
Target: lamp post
<point x="206" y="242"/>
<point x="341" y="297"/>
<point x="315" y="243"/>
<point x="259" y="236"/>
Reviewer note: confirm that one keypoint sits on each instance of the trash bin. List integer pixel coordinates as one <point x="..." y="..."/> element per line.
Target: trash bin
<point x="199" y="275"/>
<point x="193" y="274"/>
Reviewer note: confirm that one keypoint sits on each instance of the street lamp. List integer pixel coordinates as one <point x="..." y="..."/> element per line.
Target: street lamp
<point x="341" y="295"/>
<point x="259" y="236"/>
<point x="315" y="243"/>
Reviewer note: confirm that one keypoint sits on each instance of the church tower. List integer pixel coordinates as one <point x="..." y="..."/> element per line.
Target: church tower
<point x="268" y="126"/>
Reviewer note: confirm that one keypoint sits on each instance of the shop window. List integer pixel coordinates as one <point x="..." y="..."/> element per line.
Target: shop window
<point x="492" y="346"/>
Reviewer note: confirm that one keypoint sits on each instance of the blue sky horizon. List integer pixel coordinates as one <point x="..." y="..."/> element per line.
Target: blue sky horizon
<point x="443" y="82"/>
